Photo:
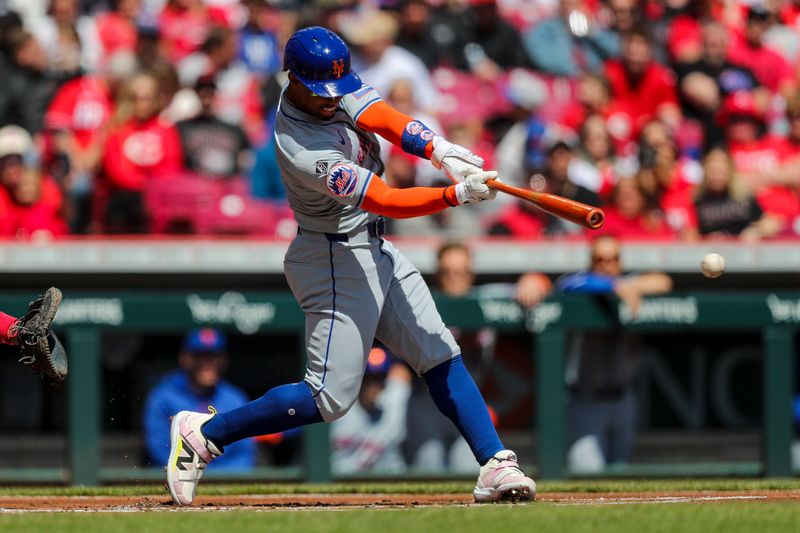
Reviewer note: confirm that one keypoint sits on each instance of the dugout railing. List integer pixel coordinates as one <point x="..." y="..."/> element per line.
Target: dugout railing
<point x="84" y="316"/>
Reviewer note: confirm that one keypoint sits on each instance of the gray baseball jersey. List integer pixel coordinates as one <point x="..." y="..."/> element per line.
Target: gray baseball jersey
<point x="355" y="287"/>
<point x="326" y="165"/>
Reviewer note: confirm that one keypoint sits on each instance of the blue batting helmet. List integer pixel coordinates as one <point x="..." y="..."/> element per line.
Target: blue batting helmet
<point x="321" y="60"/>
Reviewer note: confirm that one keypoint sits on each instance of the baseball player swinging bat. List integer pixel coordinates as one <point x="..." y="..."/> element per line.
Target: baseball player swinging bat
<point x="353" y="285"/>
<point x="577" y="212"/>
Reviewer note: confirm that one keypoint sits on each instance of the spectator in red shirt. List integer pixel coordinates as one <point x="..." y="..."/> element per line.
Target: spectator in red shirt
<point x="184" y="26"/>
<point x="790" y="14"/>
<point x="668" y="180"/>
<point x="725" y="207"/>
<point x="30" y="202"/>
<point x="141" y="147"/>
<point x="759" y="158"/>
<point x="76" y="123"/>
<point x="631" y="215"/>
<point x="771" y="69"/>
<point x="641" y="85"/>
<point x="594" y="98"/>
<point x="116" y="28"/>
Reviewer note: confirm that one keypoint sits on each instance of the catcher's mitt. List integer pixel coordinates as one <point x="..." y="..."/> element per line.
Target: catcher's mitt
<point x="41" y="349"/>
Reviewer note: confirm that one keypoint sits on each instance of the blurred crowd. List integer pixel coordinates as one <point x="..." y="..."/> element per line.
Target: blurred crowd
<point x="680" y="117"/>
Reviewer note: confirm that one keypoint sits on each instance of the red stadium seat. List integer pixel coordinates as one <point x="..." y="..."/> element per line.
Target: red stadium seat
<point x="191" y="204"/>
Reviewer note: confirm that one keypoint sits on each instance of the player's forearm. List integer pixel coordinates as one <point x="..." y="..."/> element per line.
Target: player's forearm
<point x="407" y="203"/>
<point x="397" y="128"/>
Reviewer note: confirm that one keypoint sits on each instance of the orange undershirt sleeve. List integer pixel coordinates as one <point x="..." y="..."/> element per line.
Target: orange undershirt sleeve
<point x="407" y="203"/>
<point x="389" y="123"/>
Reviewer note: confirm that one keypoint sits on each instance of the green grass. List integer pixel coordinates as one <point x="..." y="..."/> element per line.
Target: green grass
<point x="727" y="516"/>
<point x="583" y="486"/>
<point x="539" y="518"/>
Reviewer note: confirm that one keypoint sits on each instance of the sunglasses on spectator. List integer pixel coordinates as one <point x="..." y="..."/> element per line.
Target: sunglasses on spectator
<point x="445" y="271"/>
<point x="605" y="258"/>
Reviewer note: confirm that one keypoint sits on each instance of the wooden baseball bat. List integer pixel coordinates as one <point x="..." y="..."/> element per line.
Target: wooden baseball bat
<point x="585" y="215"/>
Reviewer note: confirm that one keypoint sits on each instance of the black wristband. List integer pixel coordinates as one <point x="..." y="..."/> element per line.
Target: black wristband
<point x="444" y="196"/>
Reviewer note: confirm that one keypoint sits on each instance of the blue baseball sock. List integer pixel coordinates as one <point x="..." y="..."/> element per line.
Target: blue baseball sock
<point x="455" y="394"/>
<point x="280" y="409"/>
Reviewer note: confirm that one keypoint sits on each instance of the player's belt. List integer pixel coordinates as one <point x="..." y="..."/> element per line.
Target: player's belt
<point x="375" y="229"/>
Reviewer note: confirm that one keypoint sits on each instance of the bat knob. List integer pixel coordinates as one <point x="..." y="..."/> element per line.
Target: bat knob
<point x="595" y="218"/>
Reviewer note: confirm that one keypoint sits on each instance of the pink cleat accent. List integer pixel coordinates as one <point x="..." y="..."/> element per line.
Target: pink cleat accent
<point x="189" y="454"/>
<point x="502" y="479"/>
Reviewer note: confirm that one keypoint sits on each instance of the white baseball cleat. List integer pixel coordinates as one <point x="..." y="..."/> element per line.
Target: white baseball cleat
<point x="189" y="454"/>
<point x="502" y="479"/>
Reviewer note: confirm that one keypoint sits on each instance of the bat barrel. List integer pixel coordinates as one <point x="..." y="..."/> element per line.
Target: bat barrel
<point x="595" y="218"/>
<point x="577" y="212"/>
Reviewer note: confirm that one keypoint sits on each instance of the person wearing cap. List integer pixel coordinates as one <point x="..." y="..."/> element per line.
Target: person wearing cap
<point x="704" y="84"/>
<point x="758" y="156"/>
<point x="352" y="283"/>
<point x="238" y="98"/>
<point x="198" y="383"/>
<point x="523" y="219"/>
<point x="30" y="201"/>
<point x="369" y="436"/>
<point x="212" y="147"/>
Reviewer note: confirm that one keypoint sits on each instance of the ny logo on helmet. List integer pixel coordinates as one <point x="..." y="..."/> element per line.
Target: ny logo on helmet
<point x="337" y="67"/>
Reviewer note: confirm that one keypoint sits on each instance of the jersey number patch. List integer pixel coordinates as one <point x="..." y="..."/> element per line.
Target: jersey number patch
<point x="342" y="180"/>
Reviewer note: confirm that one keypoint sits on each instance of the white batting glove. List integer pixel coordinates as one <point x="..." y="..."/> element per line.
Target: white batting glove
<point x="456" y="161"/>
<point x="474" y="189"/>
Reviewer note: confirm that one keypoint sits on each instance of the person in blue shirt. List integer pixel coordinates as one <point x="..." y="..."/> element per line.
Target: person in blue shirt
<point x="265" y="178"/>
<point x="197" y="384"/>
<point x="602" y="367"/>
<point x="258" y="46"/>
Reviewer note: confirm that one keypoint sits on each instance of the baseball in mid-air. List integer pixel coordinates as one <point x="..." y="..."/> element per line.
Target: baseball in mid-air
<point x="713" y="265"/>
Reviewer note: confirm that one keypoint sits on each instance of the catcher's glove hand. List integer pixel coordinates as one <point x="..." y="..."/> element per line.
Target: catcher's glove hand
<point x="41" y="349"/>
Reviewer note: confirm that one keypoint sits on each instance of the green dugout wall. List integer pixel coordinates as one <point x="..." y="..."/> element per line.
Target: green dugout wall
<point x="85" y="315"/>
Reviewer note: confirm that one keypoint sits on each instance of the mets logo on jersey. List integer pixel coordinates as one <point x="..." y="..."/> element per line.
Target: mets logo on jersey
<point x="337" y="67"/>
<point x="342" y="180"/>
